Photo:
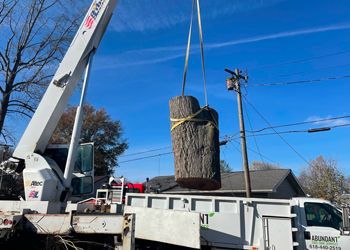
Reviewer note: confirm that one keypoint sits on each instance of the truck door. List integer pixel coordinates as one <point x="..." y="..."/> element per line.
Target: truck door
<point x="275" y="229"/>
<point x="322" y="228"/>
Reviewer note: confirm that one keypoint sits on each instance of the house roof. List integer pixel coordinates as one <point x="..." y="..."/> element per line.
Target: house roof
<point x="261" y="181"/>
<point x="101" y="177"/>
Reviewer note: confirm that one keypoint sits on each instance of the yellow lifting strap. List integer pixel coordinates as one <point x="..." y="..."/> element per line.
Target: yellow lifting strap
<point x="191" y="118"/>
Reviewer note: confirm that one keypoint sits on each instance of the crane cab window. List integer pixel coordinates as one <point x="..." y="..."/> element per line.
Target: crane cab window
<point x="322" y="215"/>
<point x="84" y="161"/>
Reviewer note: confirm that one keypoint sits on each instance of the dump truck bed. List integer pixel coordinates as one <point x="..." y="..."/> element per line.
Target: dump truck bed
<point x="229" y="222"/>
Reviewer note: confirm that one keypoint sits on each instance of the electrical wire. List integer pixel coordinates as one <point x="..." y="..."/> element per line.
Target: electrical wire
<point x="315" y="69"/>
<point x="146" y="151"/>
<point x="167" y="147"/>
<point x="146" y="157"/>
<point x="303" y="60"/>
<point x="330" y="78"/>
<point x="254" y="151"/>
<point x="228" y="138"/>
<point x="299" y="131"/>
<point x="254" y="133"/>
<point x="255" y="141"/>
<point x="237" y="148"/>
<point x="167" y="153"/>
<point x="300" y="123"/>
<point x="276" y="132"/>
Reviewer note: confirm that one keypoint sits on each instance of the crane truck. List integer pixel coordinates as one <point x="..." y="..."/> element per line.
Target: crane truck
<point x="55" y="176"/>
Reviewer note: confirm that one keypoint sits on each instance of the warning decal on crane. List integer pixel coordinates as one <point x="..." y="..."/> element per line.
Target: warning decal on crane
<point x="96" y="8"/>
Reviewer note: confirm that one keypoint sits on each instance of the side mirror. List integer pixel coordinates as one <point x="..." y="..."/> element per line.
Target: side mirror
<point x="346" y="221"/>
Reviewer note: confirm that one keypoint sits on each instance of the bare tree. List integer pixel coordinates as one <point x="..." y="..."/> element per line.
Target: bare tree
<point x="6" y="7"/>
<point x="258" y="165"/>
<point x="34" y="37"/>
<point x="323" y="179"/>
<point x="225" y="167"/>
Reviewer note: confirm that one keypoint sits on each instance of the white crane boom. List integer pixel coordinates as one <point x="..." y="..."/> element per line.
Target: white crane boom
<point x="68" y="74"/>
<point x="44" y="179"/>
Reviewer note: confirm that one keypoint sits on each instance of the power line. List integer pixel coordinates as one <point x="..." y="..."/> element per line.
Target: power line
<point x="146" y="157"/>
<point x="254" y="151"/>
<point x="293" y="131"/>
<point x="223" y="152"/>
<point x="303" y="131"/>
<point x="303" y="60"/>
<point x="284" y="140"/>
<point x="229" y="138"/>
<point x="255" y="141"/>
<point x="146" y="151"/>
<point x="315" y="69"/>
<point x="331" y="78"/>
<point x="163" y="148"/>
<point x="250" y="149"/>
<point x="301" y="123"/>
<point x="237" y="148"/>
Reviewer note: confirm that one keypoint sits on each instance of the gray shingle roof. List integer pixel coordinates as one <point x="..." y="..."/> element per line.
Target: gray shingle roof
<point x="261" y="181"/>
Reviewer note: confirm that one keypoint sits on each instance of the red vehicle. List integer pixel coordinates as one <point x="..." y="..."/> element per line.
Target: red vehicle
<point x="114" y="192"/>
<point x="131" y="187"/>
<point x="116" y="189"/>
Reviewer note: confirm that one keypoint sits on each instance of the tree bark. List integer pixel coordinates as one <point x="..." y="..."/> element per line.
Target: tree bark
<point x="195" y="145"/>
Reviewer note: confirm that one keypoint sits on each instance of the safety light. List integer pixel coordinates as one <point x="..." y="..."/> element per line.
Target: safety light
<point x="7" y="222"/>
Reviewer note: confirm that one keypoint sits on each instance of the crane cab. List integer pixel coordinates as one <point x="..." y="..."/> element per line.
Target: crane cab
<point x="43" y="175"/>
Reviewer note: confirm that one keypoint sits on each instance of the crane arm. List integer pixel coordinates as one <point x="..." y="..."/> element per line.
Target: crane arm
<point x="55" y="100"/>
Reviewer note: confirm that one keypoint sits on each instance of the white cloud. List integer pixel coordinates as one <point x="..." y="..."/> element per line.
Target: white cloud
<point x="163" y="54"/>
<point x="329" y="122"/>
<point x="142" y="15"/>
<point x="280" y="35"/>
<point x="136" y="58"/>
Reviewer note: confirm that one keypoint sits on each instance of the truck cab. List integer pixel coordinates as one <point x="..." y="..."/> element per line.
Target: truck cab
<point x="320" y="224"/>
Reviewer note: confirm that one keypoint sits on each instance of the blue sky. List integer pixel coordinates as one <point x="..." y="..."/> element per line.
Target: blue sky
<point x="139" y="66"/>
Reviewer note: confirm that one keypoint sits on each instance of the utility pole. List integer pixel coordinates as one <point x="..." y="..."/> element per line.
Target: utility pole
<point x="234" y="83"/>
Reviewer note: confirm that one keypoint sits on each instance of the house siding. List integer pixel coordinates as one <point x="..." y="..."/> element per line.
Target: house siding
<point x="284" y="191"/>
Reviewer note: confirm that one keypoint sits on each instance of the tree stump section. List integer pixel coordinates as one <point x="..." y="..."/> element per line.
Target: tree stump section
<point x="195" y="145"/>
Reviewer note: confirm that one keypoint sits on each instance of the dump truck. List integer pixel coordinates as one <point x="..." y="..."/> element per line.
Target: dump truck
<point x="251" y="223"/>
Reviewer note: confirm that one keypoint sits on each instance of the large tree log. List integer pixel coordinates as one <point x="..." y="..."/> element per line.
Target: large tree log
<point x="195" y="145"/>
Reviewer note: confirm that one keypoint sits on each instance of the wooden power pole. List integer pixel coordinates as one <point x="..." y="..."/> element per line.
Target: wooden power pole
<point x="234" y="83"/>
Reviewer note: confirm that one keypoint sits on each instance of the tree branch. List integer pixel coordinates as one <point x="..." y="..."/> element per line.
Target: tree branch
<point x="18" y="103"/>
<point x="18" y="112"/>
<point x="5" y="11"/>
